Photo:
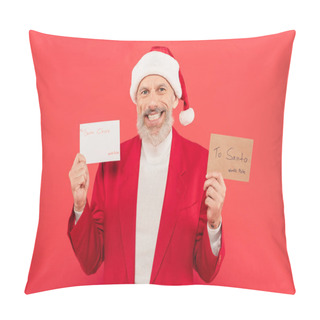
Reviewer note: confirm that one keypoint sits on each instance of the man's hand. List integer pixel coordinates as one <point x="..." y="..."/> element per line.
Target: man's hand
<point x="215" y="194"/>
<point x="79" y="179"/>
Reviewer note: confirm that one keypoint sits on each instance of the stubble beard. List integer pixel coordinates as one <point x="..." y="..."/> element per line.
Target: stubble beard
<point x="155" y="139"/>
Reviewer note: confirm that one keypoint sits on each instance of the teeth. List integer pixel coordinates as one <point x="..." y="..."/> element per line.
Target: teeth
<point x="154" y="116"/>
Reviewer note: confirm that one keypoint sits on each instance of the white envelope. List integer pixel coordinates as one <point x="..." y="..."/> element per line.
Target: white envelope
<point x="100" y="141"/>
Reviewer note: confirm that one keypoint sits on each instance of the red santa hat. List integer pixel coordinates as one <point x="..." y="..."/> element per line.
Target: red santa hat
<point x="160" y="61"/>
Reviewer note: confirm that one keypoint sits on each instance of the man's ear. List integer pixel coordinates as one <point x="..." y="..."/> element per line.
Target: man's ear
<point x="176" y="101"/>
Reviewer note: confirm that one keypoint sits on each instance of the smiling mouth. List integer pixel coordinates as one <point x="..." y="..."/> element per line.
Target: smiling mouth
<point x="155" y="116"/>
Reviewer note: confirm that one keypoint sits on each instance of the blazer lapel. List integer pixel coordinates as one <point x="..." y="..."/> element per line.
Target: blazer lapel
<point x="128" y="204"/>
<point x="175" y="188"/>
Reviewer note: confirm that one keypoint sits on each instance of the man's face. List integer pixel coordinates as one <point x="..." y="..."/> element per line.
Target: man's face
<point x="155" y="101"/>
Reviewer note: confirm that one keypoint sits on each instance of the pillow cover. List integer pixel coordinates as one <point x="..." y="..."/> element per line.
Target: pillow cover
<point x="237" y="88"/>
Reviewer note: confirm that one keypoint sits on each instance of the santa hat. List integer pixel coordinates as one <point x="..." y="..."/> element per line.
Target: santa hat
<point x="160" y="61"/>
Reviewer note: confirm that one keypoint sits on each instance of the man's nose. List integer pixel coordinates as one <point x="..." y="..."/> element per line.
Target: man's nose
<point x="153" y="102"/>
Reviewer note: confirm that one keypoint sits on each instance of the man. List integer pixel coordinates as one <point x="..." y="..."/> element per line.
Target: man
<point x="155" y="215"/>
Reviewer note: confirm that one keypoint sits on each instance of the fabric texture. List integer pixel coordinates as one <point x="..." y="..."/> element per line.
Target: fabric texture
<point x="238" y="87"/>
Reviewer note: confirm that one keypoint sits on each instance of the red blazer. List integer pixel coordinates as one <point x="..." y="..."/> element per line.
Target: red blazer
<point x="106" y="228"/>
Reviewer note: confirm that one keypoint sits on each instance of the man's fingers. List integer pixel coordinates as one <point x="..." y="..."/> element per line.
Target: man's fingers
<point x="215" y="176"/>
<point x="79" y="158"/>
<point x="79" y="181"/>
<point x="75" y="161"/>
<point x="211" y="183"/>
<point x="214" y="195"/>
<point x="210" y="202"/>
<point x="75" y="171"/>
<point x="211" y="193"/>
<point x="78" y="171"/>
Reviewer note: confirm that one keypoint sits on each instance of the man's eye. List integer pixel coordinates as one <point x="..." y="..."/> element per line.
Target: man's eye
<point x="162" y="89"/>
<point x="144" y="91"/>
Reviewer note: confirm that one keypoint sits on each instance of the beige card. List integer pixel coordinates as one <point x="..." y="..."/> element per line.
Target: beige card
<point x="231" y="156"/>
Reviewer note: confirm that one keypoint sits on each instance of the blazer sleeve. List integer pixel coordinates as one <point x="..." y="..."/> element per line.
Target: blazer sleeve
<point x="205" y="262"/>
<point x="86" y="235"/>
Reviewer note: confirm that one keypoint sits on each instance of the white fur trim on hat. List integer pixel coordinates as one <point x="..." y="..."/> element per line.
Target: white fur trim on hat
<point x="186" y="116"/>
<point x="159" y="63"/>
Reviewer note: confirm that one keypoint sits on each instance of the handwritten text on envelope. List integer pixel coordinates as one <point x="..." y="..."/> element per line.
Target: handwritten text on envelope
<point x="100" y="141"/>
<point x="231" y="156"/>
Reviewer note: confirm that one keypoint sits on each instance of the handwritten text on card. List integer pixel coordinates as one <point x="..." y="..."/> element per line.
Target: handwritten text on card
<point x="231" y="156"/>
<point x="100" y="141"/>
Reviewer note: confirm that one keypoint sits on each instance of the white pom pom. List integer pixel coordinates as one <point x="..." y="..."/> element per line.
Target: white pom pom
<point x="186" y="116"/>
